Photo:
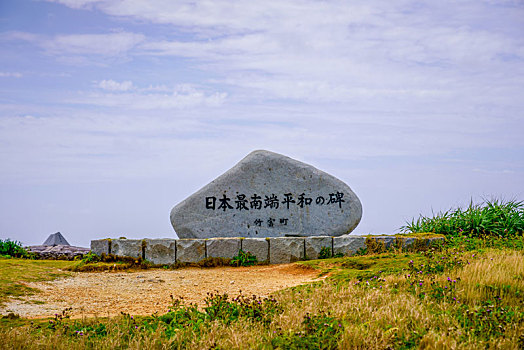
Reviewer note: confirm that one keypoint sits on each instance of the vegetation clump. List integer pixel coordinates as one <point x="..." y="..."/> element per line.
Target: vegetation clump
<point x="9" y="248"/>
<point x="491" y="218"/>
<point x="244" y="259"/>
<point x="325" y="253"/>
<point x="91" y="262"/>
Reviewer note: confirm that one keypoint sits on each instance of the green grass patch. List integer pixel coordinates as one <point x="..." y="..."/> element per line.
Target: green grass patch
<point x="363" y="267"/>
<point x="15" y="272"/>
<point x="490" y="218"/>
<point x="421" y="235"/>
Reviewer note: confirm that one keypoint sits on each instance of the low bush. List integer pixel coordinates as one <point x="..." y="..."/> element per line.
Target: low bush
<point x="490" y="218"/>
<point x="244" y="259"/>
<point x="325" y="253"/>
<point x="12" y="249"/>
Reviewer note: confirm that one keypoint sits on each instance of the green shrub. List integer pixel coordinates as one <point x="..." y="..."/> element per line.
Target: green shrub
<point x="254" y="308"/>
<point x="244" y="259"/>
<point x="219" y="307"/>
<point x="491" y="218"/>
<point x="325" y="253"/>
<point x="12" y="249"/>
<point x="90" y="258"/>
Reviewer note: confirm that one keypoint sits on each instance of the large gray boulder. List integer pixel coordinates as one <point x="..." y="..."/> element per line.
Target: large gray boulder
<point x="269" y="195"/>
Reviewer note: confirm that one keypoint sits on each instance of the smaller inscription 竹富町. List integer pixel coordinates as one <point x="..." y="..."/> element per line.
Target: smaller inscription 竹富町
<point x="269" y="195"/>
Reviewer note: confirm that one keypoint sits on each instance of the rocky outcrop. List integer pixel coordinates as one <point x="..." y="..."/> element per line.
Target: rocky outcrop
<point x="57" y="252"/>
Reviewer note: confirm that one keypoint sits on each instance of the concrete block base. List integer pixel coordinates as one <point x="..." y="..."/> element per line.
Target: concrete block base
<point x="222" y="247"/>
<point x="347" y="245"/>
<point x="284" y="250"/>
<point x="101" y="246"/>
<point x="315" y="244"/>
<point x="160" y="251"/>
<point x="258" y="247"/>
<point x="127" y="247"/>
<point x="190" y="250"/>
<point x="278" y="250"/>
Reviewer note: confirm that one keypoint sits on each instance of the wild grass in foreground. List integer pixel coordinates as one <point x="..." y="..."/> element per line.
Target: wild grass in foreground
<point x="466" y="293"/>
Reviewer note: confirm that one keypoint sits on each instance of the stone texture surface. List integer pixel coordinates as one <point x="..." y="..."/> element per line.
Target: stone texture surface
<point x="388" y="240"/>
<point x="284" y="250"/>
<point x="127" y="247"/>
<point x="101" y="246"/>
<point x="348" y="245"/>
<point x="315" y="244"/>
<point x="57" y="252"/>
<point x="408" y="241"/>
<point x="258" y="247"/>
<point x="278" y="250"/>
<point x="161" y="251"/>
<point x="56" y="239"/>
<point x="223" y="247"/>
<point x="269" y="195"/>
<point x="190" y="250"/>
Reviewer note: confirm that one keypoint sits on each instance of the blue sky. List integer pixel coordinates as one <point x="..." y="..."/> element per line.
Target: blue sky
<point x="112" y="112"/>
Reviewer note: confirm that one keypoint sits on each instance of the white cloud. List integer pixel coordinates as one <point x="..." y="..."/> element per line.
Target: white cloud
<point x="79" y="48"/>
<point x="329" y="51"/>
<point x="10" y="75"/>
<point x="112" y="44"/>
<point x="112" y="85"/>
<point x="19" y="36"/>
<point x="77" y="4"/>
<point x="383" y="77"/>
<point x="126" y="95"/>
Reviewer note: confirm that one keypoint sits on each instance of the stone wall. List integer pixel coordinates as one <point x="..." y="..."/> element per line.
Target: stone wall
<point x="272" y="250"/>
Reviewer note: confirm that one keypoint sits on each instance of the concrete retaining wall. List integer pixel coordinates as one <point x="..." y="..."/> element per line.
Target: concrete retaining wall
<point x="275" y="250"/>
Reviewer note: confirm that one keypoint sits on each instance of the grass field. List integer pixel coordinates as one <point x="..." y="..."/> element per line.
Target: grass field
<point x="14" y="272"/>
<point x="465" y="294"/>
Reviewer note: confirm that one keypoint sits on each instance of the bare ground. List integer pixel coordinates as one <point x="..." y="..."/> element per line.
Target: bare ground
<point x="147" y="291"/>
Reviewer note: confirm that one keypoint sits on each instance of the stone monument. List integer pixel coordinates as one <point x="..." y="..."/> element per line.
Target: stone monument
<point x="55" y="239"/>
<point x="269" y="195"/>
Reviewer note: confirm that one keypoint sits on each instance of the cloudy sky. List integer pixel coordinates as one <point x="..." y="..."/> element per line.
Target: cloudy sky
<point x="113" y="111"/>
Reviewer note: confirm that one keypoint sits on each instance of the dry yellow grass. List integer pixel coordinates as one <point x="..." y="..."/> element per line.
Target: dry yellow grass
<point x="496" y="272"/>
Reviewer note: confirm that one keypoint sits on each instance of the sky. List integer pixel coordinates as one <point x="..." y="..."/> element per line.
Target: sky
<point x="114" y="111"/>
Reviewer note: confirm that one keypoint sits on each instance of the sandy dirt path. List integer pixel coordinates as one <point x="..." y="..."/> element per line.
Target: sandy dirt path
<point x="147" y="291"/>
